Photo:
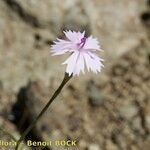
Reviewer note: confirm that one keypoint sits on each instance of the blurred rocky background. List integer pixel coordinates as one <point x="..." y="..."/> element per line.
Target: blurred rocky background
<point x="107" y="111"/>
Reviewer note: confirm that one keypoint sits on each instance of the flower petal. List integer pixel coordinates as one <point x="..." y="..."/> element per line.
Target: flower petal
<point x="92" y="43"/>
<point x="73" y="36"/>
<point x="82" y="53"/>
<point x="62" y="46"/>
<point x="71" y="62"/>
<point x="93" y="62"/>
<point x="79" y="65"/>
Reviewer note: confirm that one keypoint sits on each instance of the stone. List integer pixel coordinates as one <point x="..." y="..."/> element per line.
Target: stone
<point x="27" y="30"/>
<point x="128" y="111"/>
<point x="93" y="147"/>
<point x="95" y="97"/>
<point x="24" y="52"/>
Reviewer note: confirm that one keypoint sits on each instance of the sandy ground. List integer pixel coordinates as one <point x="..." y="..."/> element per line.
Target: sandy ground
<point x="107" y="111"/>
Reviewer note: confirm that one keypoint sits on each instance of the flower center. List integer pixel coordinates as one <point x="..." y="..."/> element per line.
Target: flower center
<point x="82" y="43"/>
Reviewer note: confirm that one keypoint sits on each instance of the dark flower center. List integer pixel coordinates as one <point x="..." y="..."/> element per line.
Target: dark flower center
<point x="82" y="43"/>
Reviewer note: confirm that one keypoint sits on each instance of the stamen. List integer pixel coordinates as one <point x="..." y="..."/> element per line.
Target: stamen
<point x="82" y="43"/>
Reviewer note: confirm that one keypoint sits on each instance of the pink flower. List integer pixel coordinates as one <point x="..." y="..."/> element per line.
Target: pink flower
<point x="82" y="51"/>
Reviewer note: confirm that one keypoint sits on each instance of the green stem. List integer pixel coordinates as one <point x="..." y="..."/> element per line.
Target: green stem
<point x="65" y="80"/>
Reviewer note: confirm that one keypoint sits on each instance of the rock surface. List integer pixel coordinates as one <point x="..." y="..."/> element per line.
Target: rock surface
<point x="121" y="118"/>
<point x="121" y="122"/>
<point x="27" y="29"/>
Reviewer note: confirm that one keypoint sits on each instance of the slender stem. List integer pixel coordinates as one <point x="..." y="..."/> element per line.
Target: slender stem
<point x="65" y="80"/>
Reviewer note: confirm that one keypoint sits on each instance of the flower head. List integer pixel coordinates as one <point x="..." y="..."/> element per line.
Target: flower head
<point x="82" y="51"/>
